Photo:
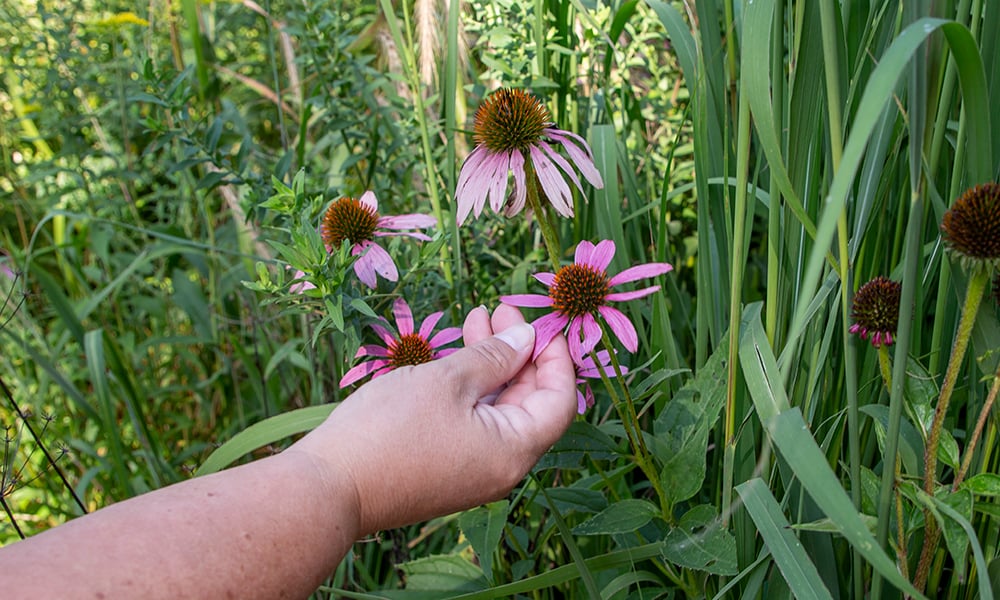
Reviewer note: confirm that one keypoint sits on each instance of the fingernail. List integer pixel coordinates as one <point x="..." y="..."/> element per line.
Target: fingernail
<point x="518" y="337"/>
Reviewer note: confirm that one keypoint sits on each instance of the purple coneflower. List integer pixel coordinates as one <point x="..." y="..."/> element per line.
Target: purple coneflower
<point x="876" y="311"/>
<point x="971" y="227"/>
<point x="579" y="293"/>
<point x="588" y="369"/>
<point x="511" y="127"/>
<point x="358" y="222"/>
<point x="409" y="347"/>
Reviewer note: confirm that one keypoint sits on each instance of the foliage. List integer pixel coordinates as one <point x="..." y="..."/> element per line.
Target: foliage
<point x="165" y="175"/>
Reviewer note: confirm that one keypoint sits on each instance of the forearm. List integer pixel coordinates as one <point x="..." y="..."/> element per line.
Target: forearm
<point x="271" y="529"/>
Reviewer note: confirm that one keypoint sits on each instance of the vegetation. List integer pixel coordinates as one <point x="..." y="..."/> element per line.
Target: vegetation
<point x="165" y="174"/>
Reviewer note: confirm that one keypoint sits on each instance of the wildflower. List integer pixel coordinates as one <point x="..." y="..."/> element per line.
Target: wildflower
<point x="579" y="293"/>
<point x="301" y="285"/>
<point x="588" y="369"/>
<point x="971" y="227"/>
<point x="406" y="347"/>
<point x="876" y="311"/>
<point x="511" y="127"/>
<point x="358" y="222"/>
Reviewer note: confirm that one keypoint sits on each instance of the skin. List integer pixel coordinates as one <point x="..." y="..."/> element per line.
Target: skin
<point x="416" y="443"/>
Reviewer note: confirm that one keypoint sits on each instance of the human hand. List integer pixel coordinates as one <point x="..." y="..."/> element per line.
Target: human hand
<point x="429" y="440"/>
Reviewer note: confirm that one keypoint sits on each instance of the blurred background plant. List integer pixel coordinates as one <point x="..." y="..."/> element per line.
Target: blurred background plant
<point x="163" y="165"/>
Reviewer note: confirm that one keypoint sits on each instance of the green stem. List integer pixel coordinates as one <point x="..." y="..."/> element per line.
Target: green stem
<point x="980" y="423"/>
<point x="549" y="234"/>
<point x="973" y="297"/>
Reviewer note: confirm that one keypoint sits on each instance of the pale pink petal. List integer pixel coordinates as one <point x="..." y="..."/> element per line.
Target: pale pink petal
<point x="372" y="350"/>
<point x="546" y="328"/>
<point x="553" y="184"/>
<point x="591" y="332"/>
<point x="546" y="278"/>
<point x="562" y="163"/>
<point x="387" y="336"/>
<point x="369" y="200"/>
<point x="601" y="255"/>
<point x="383" y="371"/>
<point x="621" y="296"/>
<point x="381" y="262"/>
<point x="576" y="351"/>
<point x="581" y="401"/>
<point x="412" y="234"/>
<point x="527" y="300"/>
<point x="583" y="251"/>
<point x="583" y="159"/>
<point x="519" y="195"/>
<point x="404" y="317"/>
<point x="361" y="371"/>
<point x="446" y="336"/>
<point x="473" y="184"/>
<point x="409" y="221"/>
<point x="363" y="267"/>
<point x="498" y="184"/>
<point x="443" y="352"/>
<point x="621" y="327"/>
<point x="427" y="327"/>
<point x="641" y="272"/>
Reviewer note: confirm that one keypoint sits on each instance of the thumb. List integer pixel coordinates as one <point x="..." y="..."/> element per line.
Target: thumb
<point x="483" y="367"/>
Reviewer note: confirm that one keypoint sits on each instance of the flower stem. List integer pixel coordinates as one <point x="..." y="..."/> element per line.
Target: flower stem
<point x="980" y="423"/>
<point x="549" y="234"/>
<point x="973" y="297"/>
<point x="885" y="366"/>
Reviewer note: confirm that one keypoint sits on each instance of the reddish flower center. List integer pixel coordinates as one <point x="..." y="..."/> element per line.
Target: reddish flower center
<point x="510" y="120"/>
<point x="579" y="290"/>
<point x="876" y="307"/>
<point x="348" y="219"/>
<point x="410" y="349"/>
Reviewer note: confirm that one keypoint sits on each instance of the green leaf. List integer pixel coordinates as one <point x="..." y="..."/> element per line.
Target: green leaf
<point x="483" y="527"/>
<point x="622" y="516"/>
<point x="699" y="542"/>
<point x="795" y="565"/>
<point x="984" y="484"/>
<point x="569" y="499"/>
<point x="580" y="440"/>
<point x="682" y="429"/>
<point x="447" y="573"/>
<point x="911" y="447"/>
<point x="263" y="433"/>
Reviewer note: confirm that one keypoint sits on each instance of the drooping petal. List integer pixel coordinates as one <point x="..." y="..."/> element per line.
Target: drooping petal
<point x="583" y="159"/>
<point x="498" y="185"/>
<point x="404" y="317"/>
<point x="408" y="221"/>
<point x="446" y="336"/>
<point x="372" y="350"/>
<point x="553" y="184"/>
<point x="369" y="200"/>
<point x="573" y="333"/>
<point x="591" y="333"/>
<point x="641" y="272"/>
<point x="427" y="327"/>
<point x="382" y="262"/>
<point x="412" y="234"/>
<point x="527" y="300"/>
<point x="601" y="255"/>
<point x="562" y="163"/>
<point x="621" y="327"/>
<point x="361" y="370"/>
<point x="363" y="267"/>
<point x="621" y="296"/>
<point x="546" y="328"/>
<point x="581" y="400"/>
<point x="547" y="278"/>
<point x="473" y="184"/>
<point x="384" y="334"/>
<point x="515" y="203"/>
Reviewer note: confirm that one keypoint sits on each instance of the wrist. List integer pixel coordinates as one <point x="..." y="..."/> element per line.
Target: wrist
<point x="332" y="490"/>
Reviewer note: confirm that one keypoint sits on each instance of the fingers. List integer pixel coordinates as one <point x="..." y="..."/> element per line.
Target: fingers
<point x="477" y="326"/>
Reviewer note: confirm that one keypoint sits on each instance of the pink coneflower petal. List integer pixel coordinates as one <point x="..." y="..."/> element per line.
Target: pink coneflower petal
<point x="428" y="325"/>
<point x="520" y="193"/>
<point x="553" y="184"/>
<point x="361" y="370"/>
<point x="576" y="350"/>
<point x="372" y="350"/>
<point x="384" y="334"/>
<point x="446" y="351"/>
<point x="561" y="163"/>
<point x="583" y="159"/>
<point x="591" y="333"/>
<point x="601" y="256"/>
<point x="473" y="184"/>
<point x="640" y="272"/>
<point x="527" y="300"/>
<point x="363" y="267"/>
<point x="546" y="278"/>
<point x="410" y="221"/>
<point x="621" y="296"/>
<point x="583" y="251"/>
<point x="621" y="327"/>
<point x="412" y="234"/>
<point x="498" y="187"/>
<point x="546" y="328"/>
<point x="446" y="336"/>
<point x="381" y="262"/>
<point x="369" y="200"/>
<point x="404" y="317"/>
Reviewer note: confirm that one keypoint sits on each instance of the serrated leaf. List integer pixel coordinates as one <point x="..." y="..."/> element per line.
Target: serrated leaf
<point x="483" y="527"/>
<point x="699" y="542"/>
<point x="622" y="516"/>
<point x="581" y="439"/>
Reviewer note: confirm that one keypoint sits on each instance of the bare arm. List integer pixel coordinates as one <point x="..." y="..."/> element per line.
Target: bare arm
<point x="411" y="445"/>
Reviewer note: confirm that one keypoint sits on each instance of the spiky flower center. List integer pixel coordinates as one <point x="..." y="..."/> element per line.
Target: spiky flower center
<point x="410" y="349"/>
<point x="510" y="119"/>
<point x="876" y="310"/>
<point x="971" y="227"/>
<point x="579" y="290"/>
<point x="348" y="219"/>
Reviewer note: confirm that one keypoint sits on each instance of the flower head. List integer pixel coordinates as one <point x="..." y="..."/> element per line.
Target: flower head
<point x="588" y="369"/>
<point x="357" y="221"/>
<point x="511" y="127"/>
<point x="971" y="227"/>
<point x="408" y="346"/>
<point x="876" y="311"/>
<point x="579" y="293"/>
